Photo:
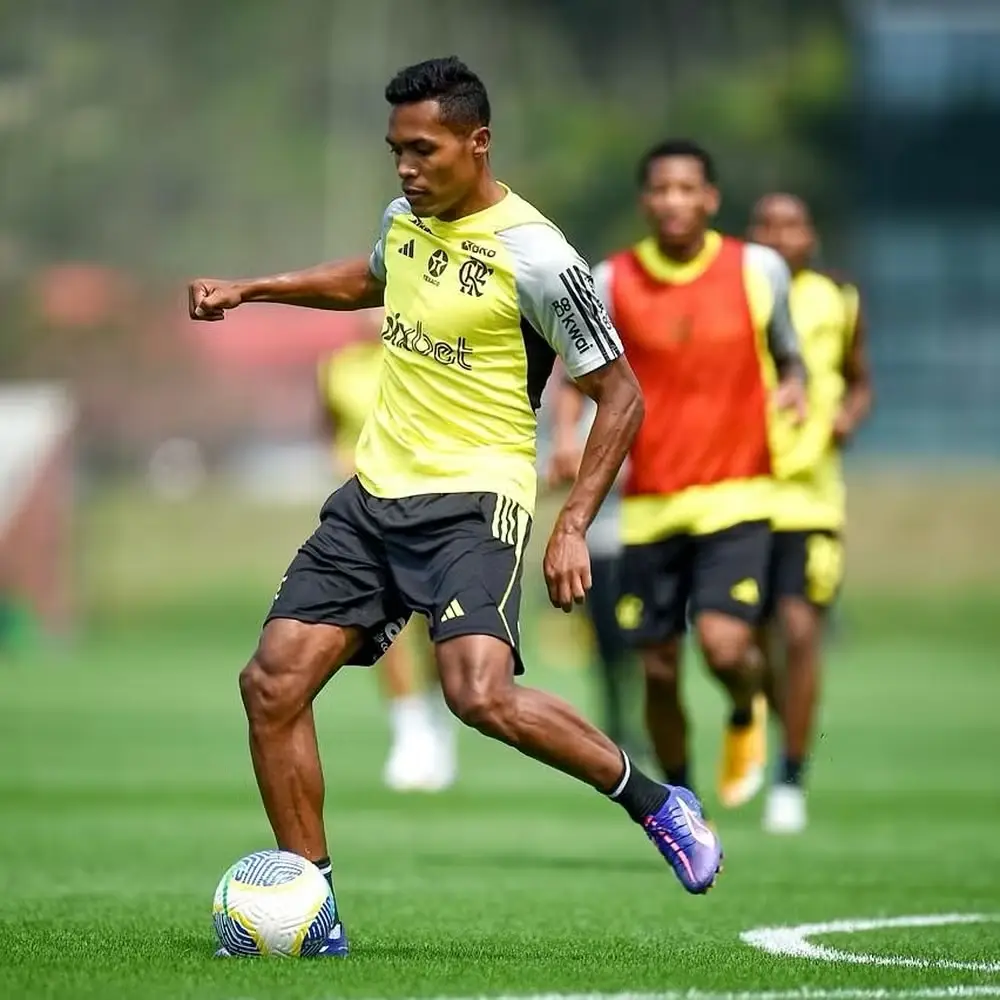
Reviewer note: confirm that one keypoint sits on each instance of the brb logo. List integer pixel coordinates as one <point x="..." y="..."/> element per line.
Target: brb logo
<point x="416" y="340"/>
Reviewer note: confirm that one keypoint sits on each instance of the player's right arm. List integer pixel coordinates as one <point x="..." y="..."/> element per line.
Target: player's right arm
<point x="782" y="337"/>
<point x="343" y="285"/>
<point x="356" y="283"/>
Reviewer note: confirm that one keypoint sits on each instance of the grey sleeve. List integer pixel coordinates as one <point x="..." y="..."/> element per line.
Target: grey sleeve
<point x="782" y="338"/>
<point x="376" y="263"/>
<point x="557" y="297"/>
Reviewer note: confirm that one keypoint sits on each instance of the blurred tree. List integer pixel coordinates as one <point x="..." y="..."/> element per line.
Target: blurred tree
<point x="176" y="135"/>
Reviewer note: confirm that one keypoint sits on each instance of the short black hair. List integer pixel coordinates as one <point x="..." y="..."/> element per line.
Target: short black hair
<point x="677" y="147"/>
<point x="459" y="92"/>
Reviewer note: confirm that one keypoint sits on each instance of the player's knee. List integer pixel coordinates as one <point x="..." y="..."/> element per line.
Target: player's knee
<point x="800" y="626"/>
<point x="267" y="697"/>
<point x="726" y="645"/>
<point x="480" y="703"/>
<point x="661" y="667"/>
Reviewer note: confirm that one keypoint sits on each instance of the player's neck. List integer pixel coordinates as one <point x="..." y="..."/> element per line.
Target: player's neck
<point x="485" y="194"/>
<point x="683" y="253"/>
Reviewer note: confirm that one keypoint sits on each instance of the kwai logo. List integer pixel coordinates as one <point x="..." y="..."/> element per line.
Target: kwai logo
<point x="415" y="339"/>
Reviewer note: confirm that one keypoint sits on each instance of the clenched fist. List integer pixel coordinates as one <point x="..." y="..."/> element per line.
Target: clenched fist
<point x="209" y="298"/>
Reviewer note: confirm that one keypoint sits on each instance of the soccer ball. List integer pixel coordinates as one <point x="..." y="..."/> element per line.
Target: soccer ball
<point x="273" y="903"/>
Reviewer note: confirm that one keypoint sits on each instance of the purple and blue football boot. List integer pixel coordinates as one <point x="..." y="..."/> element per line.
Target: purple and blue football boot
<point x="689" y="845"/>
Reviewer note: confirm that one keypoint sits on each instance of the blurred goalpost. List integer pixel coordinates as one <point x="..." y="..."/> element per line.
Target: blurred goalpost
<point x="36" y="510"/>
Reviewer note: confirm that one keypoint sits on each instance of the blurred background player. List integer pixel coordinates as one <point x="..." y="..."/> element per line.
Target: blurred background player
<point x="613" y="659"/>
<point x="809" y="507"/>
<point x="704" y="321"/>
<point x="422" y="754"/>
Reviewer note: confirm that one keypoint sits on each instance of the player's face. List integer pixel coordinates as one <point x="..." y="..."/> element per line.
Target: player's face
<point x="784" y="225"/>
<point x="437" y="165"/>
<point x="678" y="200"/>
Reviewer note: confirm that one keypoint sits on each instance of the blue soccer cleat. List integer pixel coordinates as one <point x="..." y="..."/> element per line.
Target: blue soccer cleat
<point x="681" y="835"/>
<point x="336" y="945"/>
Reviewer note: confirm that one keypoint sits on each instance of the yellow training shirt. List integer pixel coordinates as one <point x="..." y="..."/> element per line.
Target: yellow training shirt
<point x="810" y="490"/>
<point x="348" y="381"/>
<point x="475" y="312"/>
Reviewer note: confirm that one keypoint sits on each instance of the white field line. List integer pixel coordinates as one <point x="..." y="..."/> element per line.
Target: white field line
<point x="802" y="993"/>
<point x="793" y="942"/>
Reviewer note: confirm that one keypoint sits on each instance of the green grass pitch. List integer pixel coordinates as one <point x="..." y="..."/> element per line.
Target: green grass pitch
<point x="125" y="791"/>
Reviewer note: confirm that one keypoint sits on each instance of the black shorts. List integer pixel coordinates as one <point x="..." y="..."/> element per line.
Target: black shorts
<point x="455" y="558"/>
<point x="808" y="565"/>
<point x="667" y="583"/>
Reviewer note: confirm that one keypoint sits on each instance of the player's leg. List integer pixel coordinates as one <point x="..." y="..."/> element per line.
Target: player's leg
<point x="615" y="661"/>
<point x="729" y="588"/>
<point x="666" y="717"/>
<point x="768" y="645"/>
<point x="656" y="583"/>
<point x="292" y="663"/>
<point x="336" y="604"/>
<point x="412" y="763"/>
<point x="807" y="577"/>
<point x="477" y="675"/>
<point x="464" y="570"/>
<point x="443" y="721"/>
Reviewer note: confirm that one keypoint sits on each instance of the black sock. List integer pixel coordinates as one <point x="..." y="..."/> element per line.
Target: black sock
<point x="326" y="870"/>
<point x="792" y="770"/>
<point x="679" y="776"/>
<point x="638" y="795"/>
<point x="741" y="718"/>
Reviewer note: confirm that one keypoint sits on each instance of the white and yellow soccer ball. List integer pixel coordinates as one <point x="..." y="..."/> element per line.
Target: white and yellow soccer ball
<point x="273" y="903"/>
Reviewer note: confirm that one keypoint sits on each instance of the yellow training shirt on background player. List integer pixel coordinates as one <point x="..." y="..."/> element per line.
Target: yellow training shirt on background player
<point x="809" y="495"/>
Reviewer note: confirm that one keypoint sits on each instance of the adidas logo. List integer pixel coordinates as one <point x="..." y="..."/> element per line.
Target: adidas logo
<point x="407" y="249"/>
<point x="746" y="592"/>
<point x="454" y="610"/>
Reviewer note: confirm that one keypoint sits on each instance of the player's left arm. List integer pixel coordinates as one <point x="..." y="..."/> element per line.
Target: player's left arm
<point x="558" y="299"/>
<point x="613" y="387"/>
<point x="782" y="337"/>
<point x="860" y="395"/>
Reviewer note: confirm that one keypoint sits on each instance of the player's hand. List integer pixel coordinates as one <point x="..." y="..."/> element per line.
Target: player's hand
<point x="567" y="567"/>
<point x="209" y="298"/>
<point x="564" y="464"/>
<point x="791" y="395"/>
<point x="844" y="426"/>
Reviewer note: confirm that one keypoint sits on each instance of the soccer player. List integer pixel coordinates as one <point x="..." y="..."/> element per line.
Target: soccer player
<point x="480" y="293"/>
<point x="422" y="752"/>
<point x="809" y="505"/>
<point x="705" y="325"/>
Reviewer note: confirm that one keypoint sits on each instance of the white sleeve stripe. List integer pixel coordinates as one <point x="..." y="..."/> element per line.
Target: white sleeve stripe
<point x="590" y="310"/>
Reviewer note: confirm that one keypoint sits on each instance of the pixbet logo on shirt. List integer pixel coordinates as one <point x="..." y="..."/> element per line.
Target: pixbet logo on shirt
<point x="415" y="339"/>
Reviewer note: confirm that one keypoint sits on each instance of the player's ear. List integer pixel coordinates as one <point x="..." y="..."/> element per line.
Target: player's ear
<point x="481" y="138"/>
<point x="713" y="199"/>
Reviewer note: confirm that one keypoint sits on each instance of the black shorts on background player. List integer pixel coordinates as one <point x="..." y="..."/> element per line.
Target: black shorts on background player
<point x="668" y="582"/>
<point x="453" y="557"/>
<point x="807" y="565"/>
